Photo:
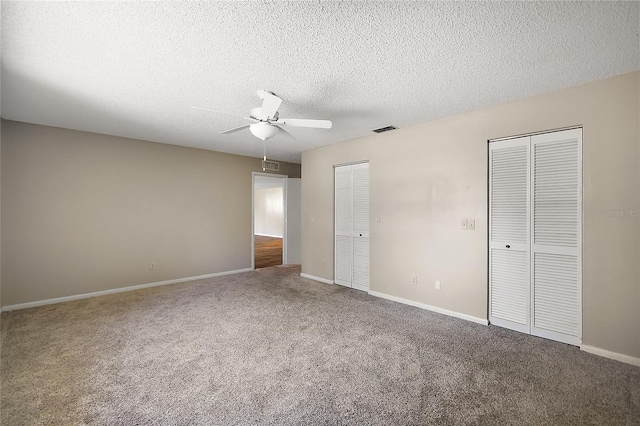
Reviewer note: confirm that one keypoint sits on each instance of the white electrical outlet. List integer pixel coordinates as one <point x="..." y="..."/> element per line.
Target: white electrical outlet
<point x="152" y="266"/>
<point x="471" y="224"/>
<point x="463" y="223"/>
<point x="437" y="285"/>
<point x="414" y="280"/>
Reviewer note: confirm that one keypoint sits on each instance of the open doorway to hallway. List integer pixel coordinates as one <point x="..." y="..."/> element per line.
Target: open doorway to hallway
<point x="277" y="220"/>
<point x="268" y="220"/>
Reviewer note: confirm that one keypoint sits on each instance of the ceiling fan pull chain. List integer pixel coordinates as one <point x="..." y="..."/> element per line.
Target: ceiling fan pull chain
<point x="264" y="155"/>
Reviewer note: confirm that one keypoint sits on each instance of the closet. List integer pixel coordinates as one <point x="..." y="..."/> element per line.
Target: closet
<point x="351" y="249"/>
<point x="535" y="234"/>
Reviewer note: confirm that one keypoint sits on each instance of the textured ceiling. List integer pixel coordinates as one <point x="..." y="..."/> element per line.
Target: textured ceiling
<point x="133" y="69"/>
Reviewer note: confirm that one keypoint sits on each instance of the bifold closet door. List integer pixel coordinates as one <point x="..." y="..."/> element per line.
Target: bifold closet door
<point x="352" y="226"/>
<point x="509" y="256"/>
<point x="360" y="229"/>
<point x="535" y="228"/>
<point x="343" y="221"/>
<point x="557" y="236"/>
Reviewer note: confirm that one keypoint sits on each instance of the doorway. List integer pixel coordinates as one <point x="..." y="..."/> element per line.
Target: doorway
<point x="268" y="220"/>
<point x="276" y="220"/>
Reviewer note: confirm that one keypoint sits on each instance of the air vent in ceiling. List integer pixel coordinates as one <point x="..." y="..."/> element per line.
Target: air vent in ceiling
<point x="384" y="129"/>
<point x="271" y="166"/>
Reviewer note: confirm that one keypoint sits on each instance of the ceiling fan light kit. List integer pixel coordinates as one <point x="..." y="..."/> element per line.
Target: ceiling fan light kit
<point x="263" y="130"/>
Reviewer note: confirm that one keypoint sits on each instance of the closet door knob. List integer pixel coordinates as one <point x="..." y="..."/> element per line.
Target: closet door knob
<point x="508" y="246"/>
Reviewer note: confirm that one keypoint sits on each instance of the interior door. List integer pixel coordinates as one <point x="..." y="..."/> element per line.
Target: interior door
<point x="509" y="249"/>
<point x="342" y="226"/>
<point x="360" y="228"/>
<point x="556" y="276"/>
<point x="292" y="222"/>
<point x="352" y="226"/>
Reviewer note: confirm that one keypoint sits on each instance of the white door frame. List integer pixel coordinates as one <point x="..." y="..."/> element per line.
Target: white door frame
<point x="253" y="213"/>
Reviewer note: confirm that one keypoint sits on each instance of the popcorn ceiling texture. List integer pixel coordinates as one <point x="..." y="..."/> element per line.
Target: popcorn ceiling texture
<point x="133" y="69"/>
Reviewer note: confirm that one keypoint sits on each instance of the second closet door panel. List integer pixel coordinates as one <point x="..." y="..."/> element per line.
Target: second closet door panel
<point x="509" y="256"/>
<point x="343" y="219"/>
<point x="360" y="179"/>
<point x="556" y="231"/>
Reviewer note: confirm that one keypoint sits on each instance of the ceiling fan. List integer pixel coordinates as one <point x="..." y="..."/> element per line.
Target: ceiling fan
<point x="266" y="120"/>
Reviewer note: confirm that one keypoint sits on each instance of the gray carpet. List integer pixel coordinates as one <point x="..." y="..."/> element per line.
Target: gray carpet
<point x="269" y="347"/>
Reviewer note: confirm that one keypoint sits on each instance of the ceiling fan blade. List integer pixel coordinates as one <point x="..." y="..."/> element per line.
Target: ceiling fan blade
<point x="270" y="104"/>
<point x="303" y="122"/>
<point x="235" y="129"/>
<point x="226" y="113"/>
<point x="284" y="130"/>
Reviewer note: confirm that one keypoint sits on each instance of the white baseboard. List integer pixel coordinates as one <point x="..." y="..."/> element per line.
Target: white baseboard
<point x="311" y="277"/>
<point x="430" y="308"/>
<point x="116" y="290"/>
<point x="268" y="235"/>
<point x="628" y="359"/>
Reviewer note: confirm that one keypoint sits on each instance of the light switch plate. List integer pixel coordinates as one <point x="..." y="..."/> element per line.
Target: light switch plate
<point x="463" y="223"/>
<point x="471" y="224"/>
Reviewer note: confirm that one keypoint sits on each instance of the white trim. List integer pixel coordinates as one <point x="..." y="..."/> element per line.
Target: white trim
<point x="350" y="164"/>
<point x="477" y="320"/>
<point x="628" y="359"/>
<point x="117" y="290"/>
<point x="269" y="235"/>
<point x="541" y="132"/>
<point x="311" y="277"/>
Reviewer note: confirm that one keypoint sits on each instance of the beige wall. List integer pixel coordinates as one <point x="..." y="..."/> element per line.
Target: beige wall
<point x="425" y="178"/>
<point x="269" y="211"/>
<point x="83" y="212"/>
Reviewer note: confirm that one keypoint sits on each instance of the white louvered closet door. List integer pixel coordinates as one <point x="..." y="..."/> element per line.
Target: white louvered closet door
<point x="352" y="226"/>
<point x="360" y="178"/>
<point x="535" y="229"/>
<point x="509" y="289"/>
<point x="556" y="247"/>
<point x="343" y="220"/>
